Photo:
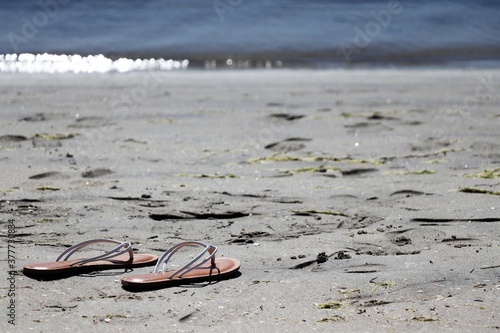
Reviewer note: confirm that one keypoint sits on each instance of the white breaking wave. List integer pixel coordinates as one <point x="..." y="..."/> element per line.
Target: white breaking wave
<point x="52" y="63"/>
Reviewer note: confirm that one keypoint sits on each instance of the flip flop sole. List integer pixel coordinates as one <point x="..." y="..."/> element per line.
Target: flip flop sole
<point x="224" y="269"/>
<point x="54" y="270"/>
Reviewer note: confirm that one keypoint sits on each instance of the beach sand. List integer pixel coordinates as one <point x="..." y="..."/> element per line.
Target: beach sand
<point x="356" y="200"/>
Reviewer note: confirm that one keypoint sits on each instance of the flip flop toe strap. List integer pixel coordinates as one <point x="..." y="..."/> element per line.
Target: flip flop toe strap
<point x="123" y="247"/>
<point x="193" y="264"/>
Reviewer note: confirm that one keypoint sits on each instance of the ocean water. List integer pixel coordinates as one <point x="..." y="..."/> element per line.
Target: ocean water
<point x="124" y="35"/>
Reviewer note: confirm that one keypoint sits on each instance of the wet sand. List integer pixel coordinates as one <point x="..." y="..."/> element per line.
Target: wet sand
<point x="363" y="200"/>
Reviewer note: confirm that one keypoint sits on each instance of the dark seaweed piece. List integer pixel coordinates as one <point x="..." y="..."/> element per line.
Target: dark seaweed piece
<point x="287" y="116"/>
<point x="297" y="139"/>
<point x="379" y="116"/>
<point x="355" y="172"/>
<point x="199" y="216"/>
<point x="303" y="214"/>
<point x="186" y="317"/>
<point x="408" y="193"/>
<point x="45" y="175"/>
<point x="244" y="195"/>
<point x="457" y="239"/>
<point x="489" y="267"/>
<point x="285" y="201"/>
<point x="433" y="220"/>
<point x="135" y="199"/>
<point x="161" y="217"/>
<point x="206" y="216"/>
<point x="304" y="264"/>
<point x="291" y="147"/>
<point x="12" y="138"/>
<point x="477" y="190"/>
<point x="357" y="125"/>
<point x="22" y="200"/>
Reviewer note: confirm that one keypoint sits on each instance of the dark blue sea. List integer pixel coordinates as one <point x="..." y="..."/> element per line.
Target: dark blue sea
<point x="123" y="35"/>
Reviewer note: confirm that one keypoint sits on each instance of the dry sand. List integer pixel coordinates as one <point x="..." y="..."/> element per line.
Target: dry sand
<point x="356" y="201"/>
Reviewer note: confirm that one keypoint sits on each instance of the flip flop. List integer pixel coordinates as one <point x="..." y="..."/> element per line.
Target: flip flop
<point x="204" y="267"/>
<point x="121" y="256"/>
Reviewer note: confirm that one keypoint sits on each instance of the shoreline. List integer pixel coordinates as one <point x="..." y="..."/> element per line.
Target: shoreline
<point x="98" y="63"/>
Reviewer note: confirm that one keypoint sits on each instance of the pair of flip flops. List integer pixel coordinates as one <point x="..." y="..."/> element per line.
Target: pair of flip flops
<point x="203" y="267"/>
